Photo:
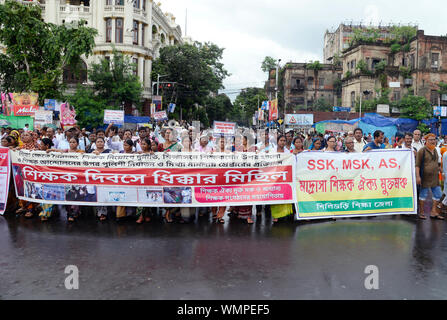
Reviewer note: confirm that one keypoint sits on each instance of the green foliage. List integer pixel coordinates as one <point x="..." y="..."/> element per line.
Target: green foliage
<point x="268" y="64"/>
<point x="348" y="74"/>
<point x="403" y="34"/>
<point x="414" y="107"/>
<point x="363" y="67"/>
<point x="246" y="103"/>
<point x="337" y="60"/>
<point x="217" y="108"/>
<point x="405" y="72"/>
<point x="197" y="70"/>
<point x="114" y="84"/>
<point x="381" y="66"/>
<point x="423" y="128"/>
<point x="337" y="85"/>
<point x="114" y="81"/>
<point x="316" y="66"/>
<point x="442" y="88"/>
<point x="89" y="108"/>
<point x="364" y="35"/>
<point x="37" y="52"/>
<point x="395" y="48"/>
<point x="321" y="104"/>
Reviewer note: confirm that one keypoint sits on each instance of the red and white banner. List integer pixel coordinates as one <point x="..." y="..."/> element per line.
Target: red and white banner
<point x="160" y="116"/>
<point x="4" y="178"/>
<point x="169" y="180"/>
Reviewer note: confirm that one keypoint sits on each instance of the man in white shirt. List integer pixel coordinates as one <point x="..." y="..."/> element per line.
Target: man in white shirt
<point x="417" y="143"/>
<point x="359" y="143"/>
<point x="26" y="128"/>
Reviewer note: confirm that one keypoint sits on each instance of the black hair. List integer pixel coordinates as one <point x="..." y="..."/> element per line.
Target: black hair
<point x="297" y="138"/>
<point x="378" y="133"/>
<point x="76" y="139"/>
<point x="408" y="134"/>
<point x="279" y="137"/>
<point x="358" y="129"/>
<point x="101" y="139"/>
<point x="47" y="142"/>
<point x="100" y="130"/>
<point x="129" y="142"/>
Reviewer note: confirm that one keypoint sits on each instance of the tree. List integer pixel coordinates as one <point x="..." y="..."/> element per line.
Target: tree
<point x="218" y="108"/>
<point x="247" y="103"/>
<point x="414" y="107"/>
<point x="37" y="52"/>
<point x="114" y="81"/>
<point x="268" y="64"/>
<point x="114" y="84"/>
<point x="197" y="71"/>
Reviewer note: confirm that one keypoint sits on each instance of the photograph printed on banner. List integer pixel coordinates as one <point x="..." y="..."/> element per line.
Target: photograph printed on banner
<point x="150" y="195"/>
<point x="54" y="192"/>
<point x="117" y="194"/>
<point x="33" y="190"/>
<point x="178" y="195"/>
<point x="85" y="193"/>
<point x="18" y="180"/>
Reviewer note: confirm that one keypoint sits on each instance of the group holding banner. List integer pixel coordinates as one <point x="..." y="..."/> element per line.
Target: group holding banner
<point x="320" y="184"/>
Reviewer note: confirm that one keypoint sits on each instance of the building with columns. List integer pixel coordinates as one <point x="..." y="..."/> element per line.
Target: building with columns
<point x="138" y="28"/>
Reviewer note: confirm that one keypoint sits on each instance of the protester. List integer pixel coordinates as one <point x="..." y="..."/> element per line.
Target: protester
<point x="377" y="143"/>
<point x="349" y="143"/>
<point x="331" y="144"/>
<point x="359" y="143"/>
<point x="281" y="211"/>
<point x="417" y="143"/>
<point x="427" y="176"/>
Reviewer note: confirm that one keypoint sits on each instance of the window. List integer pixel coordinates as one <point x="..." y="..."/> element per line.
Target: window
<point x="412" y="61"/>
<point x="321" y="83"/>
<point x="135" y="70"/>
<point x="144" y="4"/>
<point x="136" y="4"/>
<point x="435" y="60"/>
<point x="353" y="99"/>
<point x="434" y="97"/>
<point x="142" y="34"/>
<point x="135" y="32"/>
<point x="119" y="31"/>
<point x="396" y="95"/>
<point x="108" y="30"/>
<point x="144" y="70"/>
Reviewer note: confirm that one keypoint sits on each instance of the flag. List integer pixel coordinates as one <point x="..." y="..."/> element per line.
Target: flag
<point x="264" y="105"/>
<point x="171" y="107"/>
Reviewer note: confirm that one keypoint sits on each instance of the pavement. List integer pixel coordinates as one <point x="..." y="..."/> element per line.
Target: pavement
<point x="203" y="260"/>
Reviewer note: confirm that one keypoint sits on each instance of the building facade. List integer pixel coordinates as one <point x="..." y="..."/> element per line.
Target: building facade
<point x="137" y="28"/>
<point x="420" y="69"/>
<point x="339" y="40"/>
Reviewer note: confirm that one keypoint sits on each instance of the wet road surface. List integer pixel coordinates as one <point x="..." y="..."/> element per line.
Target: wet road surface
<point x="202" y="260"/>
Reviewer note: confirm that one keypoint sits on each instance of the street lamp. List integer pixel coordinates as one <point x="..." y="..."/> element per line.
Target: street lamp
<point x="366" y="93"/>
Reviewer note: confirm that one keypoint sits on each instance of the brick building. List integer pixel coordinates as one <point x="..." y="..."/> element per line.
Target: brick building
<point x="425" y="61"/>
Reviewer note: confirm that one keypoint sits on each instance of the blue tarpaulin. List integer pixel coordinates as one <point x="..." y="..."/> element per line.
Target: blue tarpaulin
<point x="133" y="119"/>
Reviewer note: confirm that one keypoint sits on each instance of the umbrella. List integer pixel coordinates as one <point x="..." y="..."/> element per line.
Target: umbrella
<point x="4" y="123"/>
<point x="50" y="125"/>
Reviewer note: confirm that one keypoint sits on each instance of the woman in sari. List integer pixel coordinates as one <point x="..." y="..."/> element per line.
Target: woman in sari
<point x="27" y="144"/>
<point x="144" y="214"/>
<point x="281" y="211"/>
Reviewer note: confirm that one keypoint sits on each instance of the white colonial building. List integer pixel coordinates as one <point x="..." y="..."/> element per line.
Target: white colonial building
<point x="137" y="28"/>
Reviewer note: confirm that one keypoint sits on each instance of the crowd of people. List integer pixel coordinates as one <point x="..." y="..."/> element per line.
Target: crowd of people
<point x="429" y="153"/>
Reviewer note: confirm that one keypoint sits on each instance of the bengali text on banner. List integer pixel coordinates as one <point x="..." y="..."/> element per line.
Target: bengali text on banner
<point x="4" y="178"/>
<point x="154" y="180"/>
<point x="334" y="184"/>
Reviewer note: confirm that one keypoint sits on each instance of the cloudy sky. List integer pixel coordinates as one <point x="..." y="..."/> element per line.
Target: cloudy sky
<point x="290" y="30"/>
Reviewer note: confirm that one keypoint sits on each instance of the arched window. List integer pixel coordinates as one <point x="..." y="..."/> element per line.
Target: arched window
<point x="163" y="38"/>
<point x="75" y="74"/>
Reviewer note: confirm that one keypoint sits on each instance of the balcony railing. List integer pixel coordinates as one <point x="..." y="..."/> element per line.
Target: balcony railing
<point x="115" y="8"/>
<point x="69" y="9"/>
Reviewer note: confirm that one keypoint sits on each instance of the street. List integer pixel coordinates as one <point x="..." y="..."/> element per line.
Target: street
<point x="312" y="260"/>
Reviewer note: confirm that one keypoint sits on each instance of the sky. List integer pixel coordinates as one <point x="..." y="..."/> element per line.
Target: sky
<point x="290" y="30"/>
